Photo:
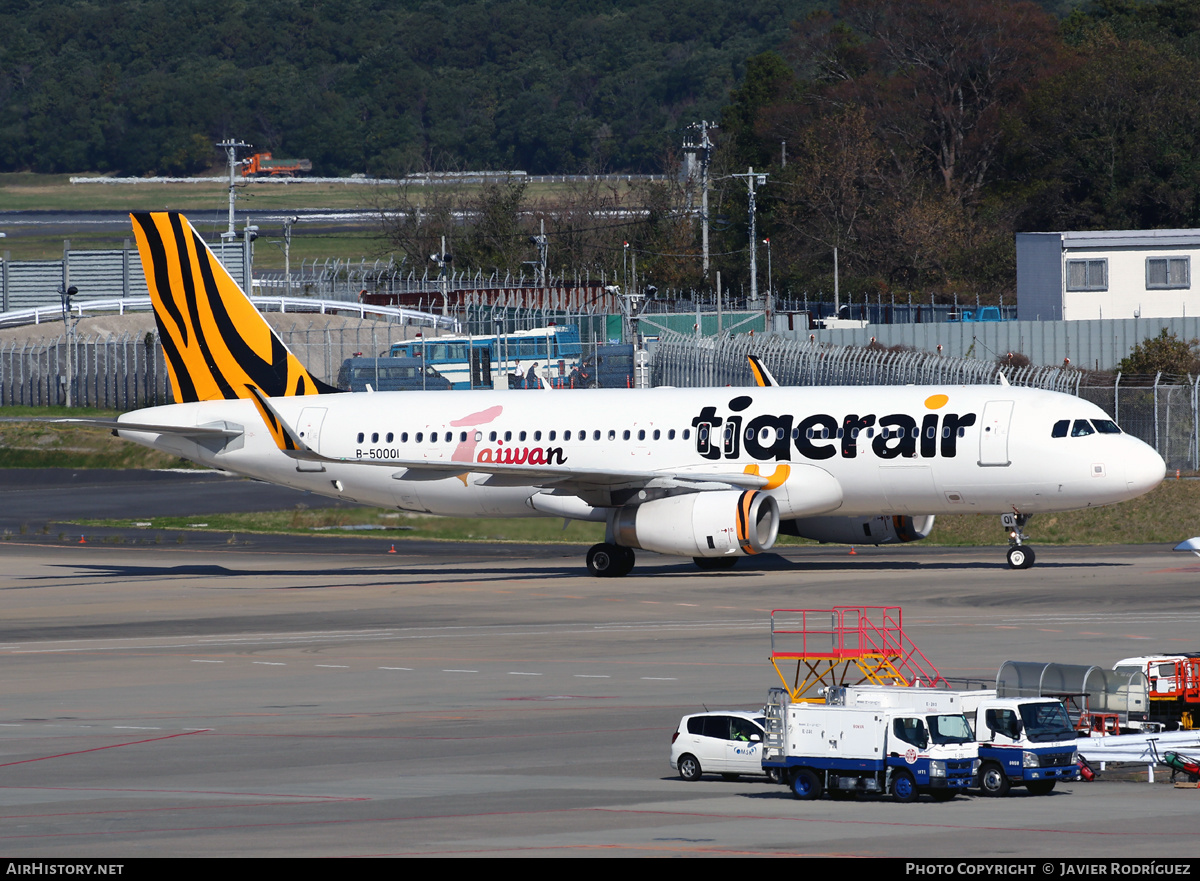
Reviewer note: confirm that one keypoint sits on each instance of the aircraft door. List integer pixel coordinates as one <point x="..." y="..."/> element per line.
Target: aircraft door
<point x="311" y="419"/>
<point x="309" y="427"/>
<point x="993" y="433"/>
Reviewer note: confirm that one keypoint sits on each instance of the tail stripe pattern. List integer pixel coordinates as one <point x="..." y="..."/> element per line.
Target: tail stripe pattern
<point x="215" y="342"/>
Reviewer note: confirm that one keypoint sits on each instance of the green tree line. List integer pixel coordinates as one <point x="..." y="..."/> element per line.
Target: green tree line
<point x="917" y="136"/>
<point x="369" y="86"/>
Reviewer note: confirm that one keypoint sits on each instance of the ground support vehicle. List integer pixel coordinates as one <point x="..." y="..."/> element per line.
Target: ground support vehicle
<point x="552" y="353"/>
<point x="263" y="165"/>
<point x="726" y="742"/>
<point x="389" y="375"/>
<point x="848" y="751"/>
<point x="1022" y="741"/>
<point x="1174" y="687"/>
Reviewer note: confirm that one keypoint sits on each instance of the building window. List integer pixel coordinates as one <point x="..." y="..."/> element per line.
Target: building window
<point x="1168" y="272"/>
<point x="1087" y="275"/>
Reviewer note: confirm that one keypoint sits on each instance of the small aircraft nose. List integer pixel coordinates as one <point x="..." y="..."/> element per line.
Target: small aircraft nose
<point x="1144" y="469"/>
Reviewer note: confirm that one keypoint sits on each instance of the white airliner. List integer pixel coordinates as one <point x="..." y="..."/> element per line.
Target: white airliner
<point x="708" y="473"/>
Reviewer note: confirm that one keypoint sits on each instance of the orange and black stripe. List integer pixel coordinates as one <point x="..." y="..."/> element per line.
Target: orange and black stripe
<point x="745" y="521"/>
<point x="216" y="343"/>
<point x="762" y="377"/>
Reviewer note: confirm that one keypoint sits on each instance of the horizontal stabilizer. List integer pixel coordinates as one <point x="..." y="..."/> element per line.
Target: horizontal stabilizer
<point x="179" y="430"/>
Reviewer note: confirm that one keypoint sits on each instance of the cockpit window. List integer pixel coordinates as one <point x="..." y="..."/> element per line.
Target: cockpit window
<point x="1061" y="427"/>
<point x="1082" y="428"/>
<point x="1106" y="426"/>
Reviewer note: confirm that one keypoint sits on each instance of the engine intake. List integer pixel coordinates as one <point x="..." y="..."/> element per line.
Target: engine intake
<point x="701" y="524"/>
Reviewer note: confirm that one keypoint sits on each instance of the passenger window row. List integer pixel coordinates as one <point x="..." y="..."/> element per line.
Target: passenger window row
<point x="524" y="436"/>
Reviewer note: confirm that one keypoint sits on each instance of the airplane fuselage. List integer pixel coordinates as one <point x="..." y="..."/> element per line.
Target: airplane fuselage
<point x="902" y="450"/>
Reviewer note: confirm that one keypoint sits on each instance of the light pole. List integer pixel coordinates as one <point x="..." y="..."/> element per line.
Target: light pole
<point x="287" y="253"/>
<point x="66" y="294"/>
<point x="770" y="285"/>
<point x="231" y="148"/>
<point x="441" y="260"/>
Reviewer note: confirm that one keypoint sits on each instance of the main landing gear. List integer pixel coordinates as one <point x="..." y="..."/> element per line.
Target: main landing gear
<point x="1020" y="555"/>
<point x="607" y="560"/>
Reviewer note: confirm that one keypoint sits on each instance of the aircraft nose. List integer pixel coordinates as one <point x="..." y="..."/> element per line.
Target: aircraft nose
<point x="1144" y="469"/>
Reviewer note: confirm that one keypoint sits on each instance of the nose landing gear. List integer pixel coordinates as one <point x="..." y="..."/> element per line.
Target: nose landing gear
<point x="1020" y="555"/>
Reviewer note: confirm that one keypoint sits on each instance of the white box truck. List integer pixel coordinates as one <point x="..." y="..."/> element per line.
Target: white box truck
<point x="1025" y="741"/>
<point x="842" y="750"/>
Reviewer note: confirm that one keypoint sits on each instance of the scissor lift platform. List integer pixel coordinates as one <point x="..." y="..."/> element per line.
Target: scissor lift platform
<point x="845" y="645"/>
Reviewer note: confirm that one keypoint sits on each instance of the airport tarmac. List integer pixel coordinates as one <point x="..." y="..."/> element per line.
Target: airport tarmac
<point x="323" y="697"/>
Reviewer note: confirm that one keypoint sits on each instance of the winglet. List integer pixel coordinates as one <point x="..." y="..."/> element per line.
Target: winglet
<point x="1192" y="544"/>
<point x="216" y="344"/>
<point x="762" y="375"/>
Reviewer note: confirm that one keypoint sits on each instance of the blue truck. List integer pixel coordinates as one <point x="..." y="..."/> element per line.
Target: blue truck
<point x="847" y="751"/>
<point x="1023" y="741"/>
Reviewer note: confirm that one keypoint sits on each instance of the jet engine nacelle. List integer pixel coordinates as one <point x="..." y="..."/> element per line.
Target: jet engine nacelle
<point x="701" y="524"/>
<point x="879" y="530"/>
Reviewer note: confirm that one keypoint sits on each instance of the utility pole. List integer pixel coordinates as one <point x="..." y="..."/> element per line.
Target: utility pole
<point x="751" y="180"/>
<point x="231" y="148"/>
<point x="702" y="149"/>
<point x="837" y="303"/>
<point x="287" y="253"/>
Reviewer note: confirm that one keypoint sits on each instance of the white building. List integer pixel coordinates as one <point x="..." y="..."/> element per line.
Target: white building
<point x="1112" y="274"/>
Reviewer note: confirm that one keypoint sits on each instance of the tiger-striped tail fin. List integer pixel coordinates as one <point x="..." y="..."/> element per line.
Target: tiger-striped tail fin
<point x="216" y="343"/>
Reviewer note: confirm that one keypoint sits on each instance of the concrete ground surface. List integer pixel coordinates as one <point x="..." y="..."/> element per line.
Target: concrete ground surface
<point x="323" y="697"/>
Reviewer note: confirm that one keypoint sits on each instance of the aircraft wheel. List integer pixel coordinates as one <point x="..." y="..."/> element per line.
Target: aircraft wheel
<point x="609" y="561"/>
<point x="1020" y="557"/>
<point x="712" y="563"/>
<point x="626" y="559"/>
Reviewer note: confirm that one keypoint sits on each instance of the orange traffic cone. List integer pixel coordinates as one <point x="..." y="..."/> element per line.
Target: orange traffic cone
<point x="853" y="552"/>
<point x="393" y="550"/>
<point x="82" y="540"/>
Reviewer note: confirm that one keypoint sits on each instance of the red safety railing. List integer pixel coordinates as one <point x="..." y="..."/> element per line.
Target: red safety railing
<point x="870" y="639"/>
